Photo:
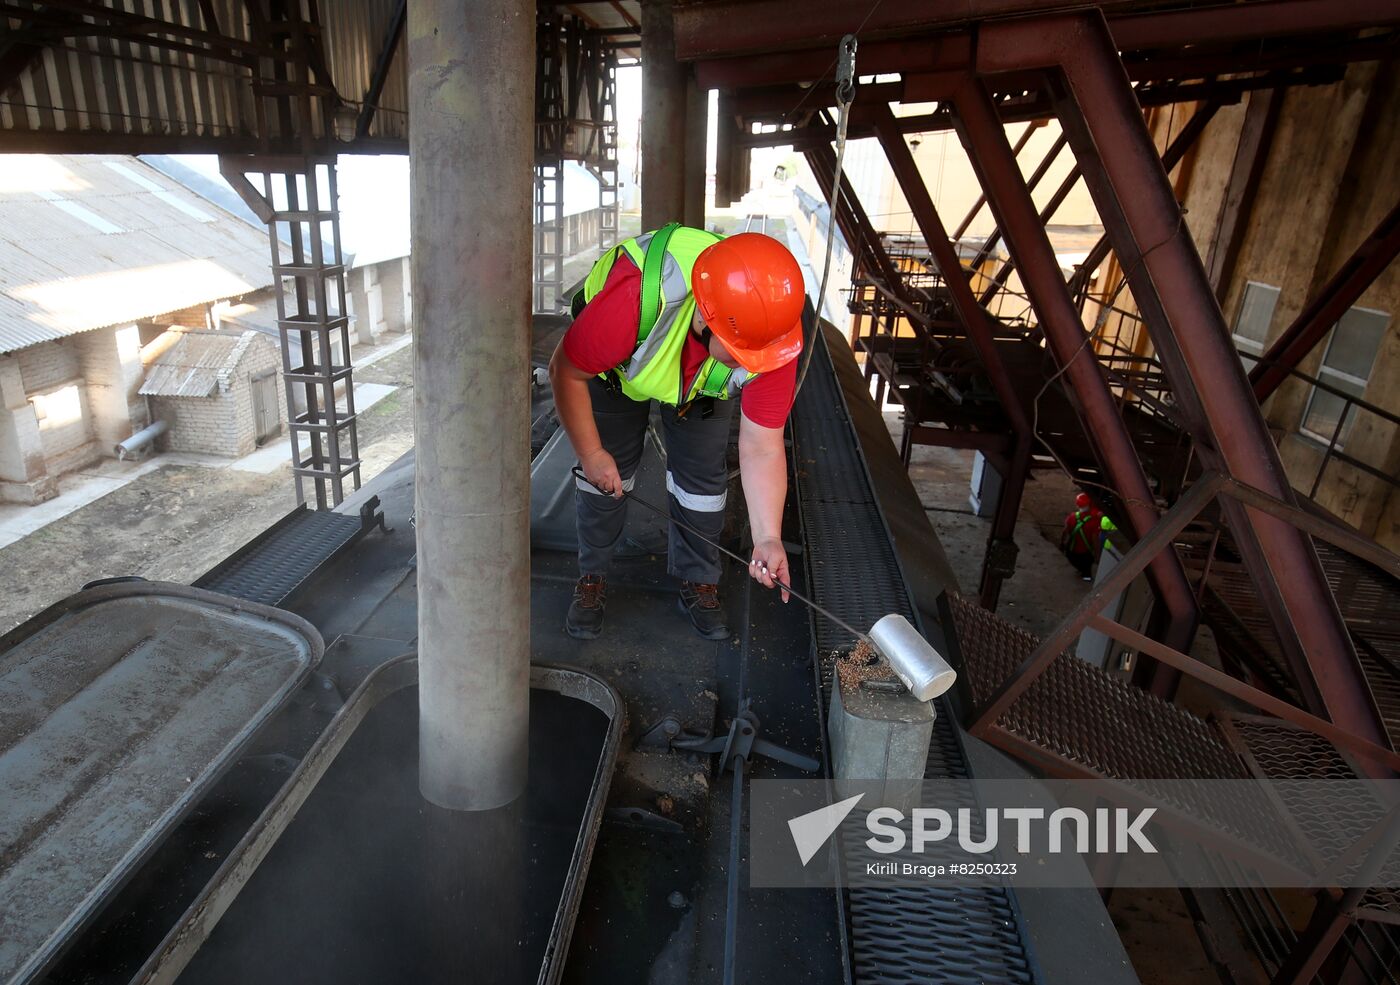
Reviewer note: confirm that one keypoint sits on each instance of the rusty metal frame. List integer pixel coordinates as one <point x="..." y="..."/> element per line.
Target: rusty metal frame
<point x="855" y="224"/>
<point x="739" y="28"/>
<point x="985" y="140"/>
<point x="1206" y="490"/>
<point x="1171" y="157"/>
<point x="981" y="199"/>
<point x="1035" y="106"/>
<point x="1097" y="108"/>
<point x="990" y="243"/>
<point x="976" y="323"/>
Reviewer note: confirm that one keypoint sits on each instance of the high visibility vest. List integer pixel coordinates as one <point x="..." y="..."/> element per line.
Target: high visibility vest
<point x="655" y="369"/>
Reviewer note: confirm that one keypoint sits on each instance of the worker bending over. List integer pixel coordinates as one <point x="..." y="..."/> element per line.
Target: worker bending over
<point x="693" y="321"/>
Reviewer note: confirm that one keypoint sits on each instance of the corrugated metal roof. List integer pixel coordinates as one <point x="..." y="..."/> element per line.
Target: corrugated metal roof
<point x="63" y="271"/>
<point x="196" y="364"/>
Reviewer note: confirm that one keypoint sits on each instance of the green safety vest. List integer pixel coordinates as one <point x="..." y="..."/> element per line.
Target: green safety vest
<point x="654" y="370"/>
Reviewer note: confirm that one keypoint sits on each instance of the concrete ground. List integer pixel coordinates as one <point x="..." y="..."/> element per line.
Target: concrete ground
<point x="175" y="520"/>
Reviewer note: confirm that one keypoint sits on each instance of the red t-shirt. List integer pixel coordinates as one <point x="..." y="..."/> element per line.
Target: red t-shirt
<point x="605" y="334"/>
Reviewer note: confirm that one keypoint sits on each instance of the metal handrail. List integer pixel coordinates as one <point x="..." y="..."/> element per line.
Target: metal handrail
<point x="1088" y="613"/>
<point x="1138" y="378"/>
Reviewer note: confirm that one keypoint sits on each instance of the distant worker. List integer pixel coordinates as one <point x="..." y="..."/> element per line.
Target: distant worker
<point x="1080" y="538"/>
<point x="691" y="320"/>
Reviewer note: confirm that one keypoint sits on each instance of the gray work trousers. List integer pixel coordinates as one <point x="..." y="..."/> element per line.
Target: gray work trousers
<point x="696" y="481"/>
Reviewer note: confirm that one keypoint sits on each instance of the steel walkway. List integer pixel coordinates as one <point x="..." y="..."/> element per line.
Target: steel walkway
<point x="903" y="935"/>
<point x="270" y="567"/>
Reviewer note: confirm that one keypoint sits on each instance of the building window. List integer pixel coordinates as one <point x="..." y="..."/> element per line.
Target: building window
<point x="59" y="407"/>
<point x="1346" y="366"/>
<point x="1251" y="329"/>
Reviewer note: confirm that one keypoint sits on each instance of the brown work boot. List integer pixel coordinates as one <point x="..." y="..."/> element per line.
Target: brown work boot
<point x="701" y="603"/>
<point x="585" y="618"/>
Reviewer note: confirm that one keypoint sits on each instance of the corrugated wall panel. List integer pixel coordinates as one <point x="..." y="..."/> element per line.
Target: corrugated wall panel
<point x="100" y="84"/>
<point x="354" y="35"/>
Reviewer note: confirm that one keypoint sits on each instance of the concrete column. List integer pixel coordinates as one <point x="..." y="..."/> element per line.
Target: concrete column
<point x="697" y="110"/>
<point x="24" y="477"/>
<point x="374" y="298"/>
<point x="663" y="119"/>
<point x="471" y="97"/>
<point x="391" y="296"/>
<point x="110" y="360"/>
<point x="358" y="302"/>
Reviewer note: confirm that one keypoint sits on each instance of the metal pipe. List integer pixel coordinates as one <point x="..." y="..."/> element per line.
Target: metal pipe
<point x="663" y="119"/>
<point x="140" y="440"/>
<point x="470" y="88"/>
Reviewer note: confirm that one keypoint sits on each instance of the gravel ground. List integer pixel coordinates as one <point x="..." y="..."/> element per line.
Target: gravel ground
<point x="175" y="523"/>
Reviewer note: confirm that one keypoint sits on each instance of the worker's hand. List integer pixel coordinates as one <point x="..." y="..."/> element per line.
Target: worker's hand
<point x="770" y="564"/>
<point x="600" y="469"/>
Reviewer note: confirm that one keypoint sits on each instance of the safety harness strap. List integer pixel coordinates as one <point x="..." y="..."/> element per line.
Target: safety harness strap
<point x="653" y="267"/>
<point x="712" y="380"/>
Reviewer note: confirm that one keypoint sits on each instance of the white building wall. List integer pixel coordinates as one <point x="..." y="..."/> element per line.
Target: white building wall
<point x="24" y="477"/>
<point x="54" y="384"/>
<point x="205" y="425"/>
<point x="110" y="360"/>
<point x="47" y="365"/>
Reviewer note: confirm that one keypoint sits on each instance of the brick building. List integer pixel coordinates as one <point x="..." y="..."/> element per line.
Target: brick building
<point x="100" y="258"/>
<point x="217" y="392"/>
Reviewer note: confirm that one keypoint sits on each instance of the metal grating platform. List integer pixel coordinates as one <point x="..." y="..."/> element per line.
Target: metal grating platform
<point x="1370" y="603"/>
<point x="1073" y="711"/>
<point x="852" y="567"/>
<point x="898" y="935"/>
<point x="269" y="568"/>
<point x="1070" y="721"/>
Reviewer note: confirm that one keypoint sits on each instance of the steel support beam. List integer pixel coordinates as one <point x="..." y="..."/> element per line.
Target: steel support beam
<point x="1171" y="157"/>
<point x="1144" y="221"/>
<point x="1251" y="154"/>
<point x="1023" y="108"/>
<point x="991" y="241"/>
<point x="470" y="190"/>
<point x="981" y="199"/>
<point x="985" y="139"/>
<point x="663" y="122"/>
<point x="1318" y="316"/>
<point x="382" y="65"/>
<point x="977" y="324"/>
<point x="1052" y="206"/>
<point x="745" y="27"/>
<point x="855" y="224"/>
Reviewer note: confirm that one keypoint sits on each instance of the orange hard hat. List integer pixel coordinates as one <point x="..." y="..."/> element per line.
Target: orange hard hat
<point x="749" y="292"/>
